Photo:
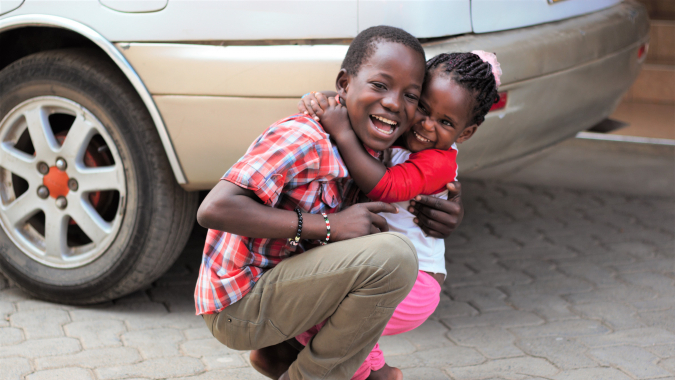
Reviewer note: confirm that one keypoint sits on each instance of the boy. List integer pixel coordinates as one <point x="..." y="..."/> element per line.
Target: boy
<point x="251" y="292"/>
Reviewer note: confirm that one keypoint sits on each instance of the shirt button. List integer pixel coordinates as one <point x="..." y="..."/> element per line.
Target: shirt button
<point x="229" y="319"/>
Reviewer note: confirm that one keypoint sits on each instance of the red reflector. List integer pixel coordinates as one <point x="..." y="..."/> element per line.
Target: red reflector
<point x="501" y="103"/>
<point x="642" y="51"/>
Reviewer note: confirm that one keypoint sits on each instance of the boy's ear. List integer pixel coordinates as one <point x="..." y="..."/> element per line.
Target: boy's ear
<point x="467" y="133"/>
<point x="342" y="83"/>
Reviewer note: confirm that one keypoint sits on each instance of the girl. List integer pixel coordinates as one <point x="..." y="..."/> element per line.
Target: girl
<point x="459" y="90"/>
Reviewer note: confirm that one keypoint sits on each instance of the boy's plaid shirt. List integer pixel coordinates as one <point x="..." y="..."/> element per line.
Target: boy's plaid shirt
<point x="292" y="164"/>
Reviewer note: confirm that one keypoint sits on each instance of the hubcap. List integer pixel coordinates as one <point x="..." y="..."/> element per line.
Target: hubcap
<point x="65" y="215"/>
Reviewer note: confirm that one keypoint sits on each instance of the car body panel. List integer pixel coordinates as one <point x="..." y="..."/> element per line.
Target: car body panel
<point x="422" y="19"/>
<point x="247" y="94"/>
<point x="268" y="71"/>
<point x="7" y="6"/>
<point x="198" y="20"/>
<point x="121" y="62"/>
<point x="131" y="6"/>
<point x="494" y="15"/>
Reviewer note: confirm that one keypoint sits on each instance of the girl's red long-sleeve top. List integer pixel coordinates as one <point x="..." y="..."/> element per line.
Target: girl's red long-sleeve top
<point x="425" y="172"/>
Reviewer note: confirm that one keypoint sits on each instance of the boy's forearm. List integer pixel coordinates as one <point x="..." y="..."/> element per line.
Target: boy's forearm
<point x="363" y="168"/>
<point x="233" y="209"/>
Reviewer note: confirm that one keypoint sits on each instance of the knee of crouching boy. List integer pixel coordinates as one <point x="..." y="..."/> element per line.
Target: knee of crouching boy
<point x="402" y="254"/>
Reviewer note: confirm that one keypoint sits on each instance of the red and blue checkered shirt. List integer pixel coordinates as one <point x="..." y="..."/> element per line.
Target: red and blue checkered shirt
<point x="292" y="164"/>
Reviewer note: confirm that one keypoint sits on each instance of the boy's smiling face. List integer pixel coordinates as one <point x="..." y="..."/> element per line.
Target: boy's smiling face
<point x="382" y="97"/>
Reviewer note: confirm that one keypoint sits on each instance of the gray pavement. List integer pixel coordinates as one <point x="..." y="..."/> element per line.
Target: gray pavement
<point x="544" y="283"/>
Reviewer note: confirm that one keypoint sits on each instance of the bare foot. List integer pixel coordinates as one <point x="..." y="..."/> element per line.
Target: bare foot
<point x="273" y="361"/>
<point x="386" y="373"/>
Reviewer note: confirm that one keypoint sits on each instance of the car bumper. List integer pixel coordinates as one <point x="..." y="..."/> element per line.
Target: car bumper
<point x="561" y="78"/>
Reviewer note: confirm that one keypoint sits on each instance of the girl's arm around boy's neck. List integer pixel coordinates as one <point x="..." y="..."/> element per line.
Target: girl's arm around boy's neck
<point x="366" y="170"/>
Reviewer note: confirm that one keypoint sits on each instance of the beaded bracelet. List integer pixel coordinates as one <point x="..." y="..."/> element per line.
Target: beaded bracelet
<point x="294" y="242"/>
<point x="325" y="217"/>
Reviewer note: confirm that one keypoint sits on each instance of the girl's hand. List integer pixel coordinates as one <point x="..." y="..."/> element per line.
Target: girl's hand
<point x="334" y="117"/>
<point x="305" y="105"/>
<point x="439" y="217"/>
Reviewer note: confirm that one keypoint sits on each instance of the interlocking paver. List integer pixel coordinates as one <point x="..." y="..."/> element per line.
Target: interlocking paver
<point x="541" y="282"/>
<point x="154" y="369"/>
<point x="206" y="347"/>
<point x="449" y="356"/>
<point x="631" y="359"/>
<point x="506" y="318"/>
<point x="664" y="319"/>
<point x="562" y="352"/>
<point x="592" y="273"/>
<point x="551" y="307"/>
<point x="592" y="373"/>
<point x="660" y="283"/>
<point x="424" y="373"/>
<point x="231" y="373"/>
<point x="10" y="336"/>
<point x="41" y="323"/>
<point x="73" y="373"/>
<point x="431" y="334"/>
<point x="36" y="348"/>
<point x="566" y="328"/>
<point x="663" y="351"/>
<point x="647" y="336"/>
<point x="554" y="286"/>
<point x="392" y="345"/>
<point x="668" y="364"/>
<point x="492" y="342"/>
<point x="94" y="358"/>
<point x="96" y="334"/>
<point x="509" y="368"/>
<point x="448" y="308"/>
<point x="13" y="368"/>
<point x="482" y="298"/>
<point x="618" y="316"/>
<point x="154" y="343"/>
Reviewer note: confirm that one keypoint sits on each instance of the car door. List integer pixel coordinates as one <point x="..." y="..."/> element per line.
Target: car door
<point x="494" y="15"/>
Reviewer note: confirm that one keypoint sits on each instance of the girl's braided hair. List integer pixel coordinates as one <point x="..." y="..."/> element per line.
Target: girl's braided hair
<point x="469" y="71"/>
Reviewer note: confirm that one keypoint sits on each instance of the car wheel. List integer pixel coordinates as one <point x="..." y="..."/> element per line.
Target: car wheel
<point x="90" y="209"/>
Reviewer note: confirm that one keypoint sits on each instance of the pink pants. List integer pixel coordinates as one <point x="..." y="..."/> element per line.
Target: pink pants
<point x="409" y="314"/>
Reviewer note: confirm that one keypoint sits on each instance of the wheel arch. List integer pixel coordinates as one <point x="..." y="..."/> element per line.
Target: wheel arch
<point x="45" y="32"/>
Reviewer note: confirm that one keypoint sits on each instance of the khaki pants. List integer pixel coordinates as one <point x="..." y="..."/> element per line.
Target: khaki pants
<point x="356" y="284"/>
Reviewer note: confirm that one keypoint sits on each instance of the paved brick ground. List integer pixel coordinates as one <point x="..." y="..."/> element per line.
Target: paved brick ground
<point x="543" y="284"/>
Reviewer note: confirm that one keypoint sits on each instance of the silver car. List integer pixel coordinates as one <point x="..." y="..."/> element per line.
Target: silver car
<point x="115" y="113"/>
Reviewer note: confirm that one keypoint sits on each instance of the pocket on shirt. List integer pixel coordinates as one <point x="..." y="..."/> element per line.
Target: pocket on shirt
<point x="330" y="194"/>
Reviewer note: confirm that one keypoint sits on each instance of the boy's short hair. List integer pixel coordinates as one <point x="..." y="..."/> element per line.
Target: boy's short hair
<point x="363" y="45"/>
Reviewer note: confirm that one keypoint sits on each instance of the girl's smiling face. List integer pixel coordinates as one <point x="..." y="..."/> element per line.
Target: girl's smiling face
<point x="445" y="109"/>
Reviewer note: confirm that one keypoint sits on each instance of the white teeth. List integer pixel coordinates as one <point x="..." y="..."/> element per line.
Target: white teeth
<point x="385" y="132"/>
<point x="420" y="138"/>
<point x="386" y="121"/>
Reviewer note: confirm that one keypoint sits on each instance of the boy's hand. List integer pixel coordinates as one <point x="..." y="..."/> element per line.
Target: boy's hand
<point x="439" y="217"/>
<point x="359" y="220"/>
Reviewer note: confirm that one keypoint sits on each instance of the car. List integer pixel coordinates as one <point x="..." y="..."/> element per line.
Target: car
<point x="114" y="114"/>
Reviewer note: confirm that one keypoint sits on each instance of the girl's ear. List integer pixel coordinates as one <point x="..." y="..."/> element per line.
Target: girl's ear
<point x="467" y="133"/>
<point x="342" y="83"/>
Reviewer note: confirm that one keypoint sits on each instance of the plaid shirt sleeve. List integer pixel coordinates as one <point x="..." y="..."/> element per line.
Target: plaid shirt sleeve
<point x="281" y="153"/>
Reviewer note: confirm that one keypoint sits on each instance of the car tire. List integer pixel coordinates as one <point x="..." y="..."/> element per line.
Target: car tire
<point x="107" y="219"/>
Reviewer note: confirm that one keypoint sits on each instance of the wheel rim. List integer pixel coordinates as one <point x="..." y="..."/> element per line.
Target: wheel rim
<point x="56" y="144"/>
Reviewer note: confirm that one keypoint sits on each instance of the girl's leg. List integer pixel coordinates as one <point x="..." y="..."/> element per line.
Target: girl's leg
<point x="416" y="308"/>
<point x="409" y="314"/>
